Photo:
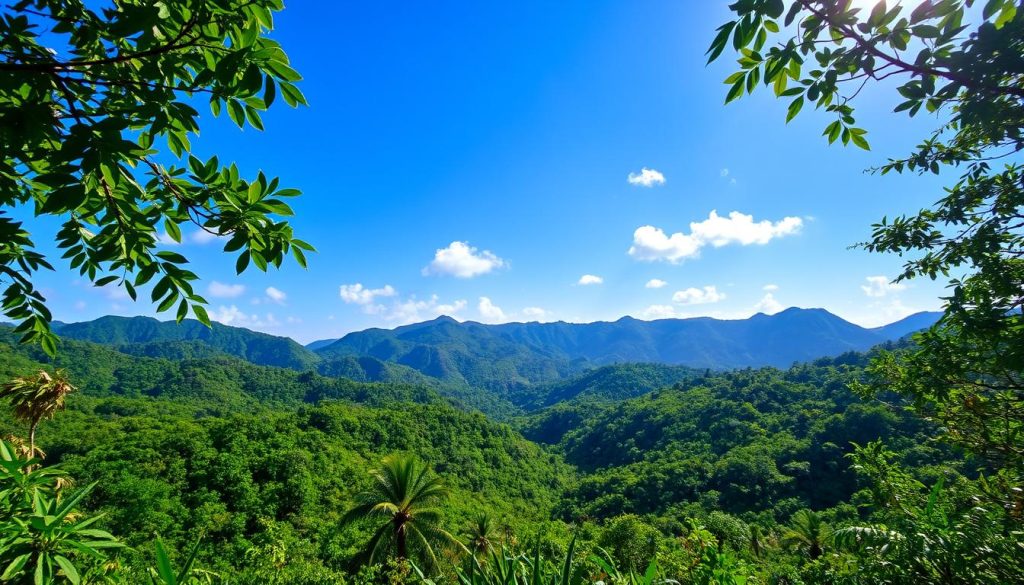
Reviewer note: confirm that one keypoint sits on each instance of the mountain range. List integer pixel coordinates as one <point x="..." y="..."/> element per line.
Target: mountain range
<point x="535" y="352"/>
<point x="493" y="367"/>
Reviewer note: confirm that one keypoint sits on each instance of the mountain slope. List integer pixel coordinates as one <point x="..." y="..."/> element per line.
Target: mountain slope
<point x="149" y="337"/>
<point x="606" y="383"/>
<point x="460" y="352"/>
<point x="512" y="355"/>
<point x="908" y="325"/>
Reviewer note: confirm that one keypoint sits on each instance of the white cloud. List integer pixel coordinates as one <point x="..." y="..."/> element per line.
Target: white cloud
<point x="232" y="315"/>
<point x="723" y="173"/>
<point x="880" y="286"/>
<point x="413" y="310"/>
<point x="659" y="312"/>
<point x="402" y="311"/>
<point x="884" y="312"/>
<point x="534" y="313"/>
<point x="646" y="178"/>
<point x="489" y="311"/>
<point x="277" y="295"/>
<point x="80" y="305"/>
<point x="589" y="279"/>
<point x="651" y="244"/>
<point x="360" y="295"/>
<point x="655" y="283"/>
<point x="461" y="260"/>
<point x="698" y="296"/>
<point x="770" y="287"/>
<point x="219" y="290"/>
<point x="740" y="228"/>
<point x="768" y="305"/>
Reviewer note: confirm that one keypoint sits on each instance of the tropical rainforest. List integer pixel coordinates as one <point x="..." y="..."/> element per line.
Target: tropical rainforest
<point x="780" y="449"/>
<point x="255" y="468"/>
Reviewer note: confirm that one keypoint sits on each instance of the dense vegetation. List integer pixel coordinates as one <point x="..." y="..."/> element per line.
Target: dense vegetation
<point x="264" y="462"/>
<point x="178" y="461"/>
<point x="502" y="356"/>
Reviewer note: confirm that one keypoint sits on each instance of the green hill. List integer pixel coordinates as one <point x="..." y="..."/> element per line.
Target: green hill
<point x="150" y="337"/>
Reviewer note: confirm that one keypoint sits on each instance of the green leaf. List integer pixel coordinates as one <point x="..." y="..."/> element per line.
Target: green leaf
<point x="860" y="141"/>
<point x="269" y="92"/>
<point x="300" y="257"/>
<point x="253" y="116"/>
<point x="236" y="112"/>
<point x="69" y="569"/>
<point x="182" y="311"/>
<point x="172" y="230"/>
<point x="242" y="263"/>
<point x="1006" y="15"/>
<point x="201" y="315"/>
<point x="170" y="256"/>
<point x="163" y="565"/>
<point x="721" y="39"/>
<point x="15" y="567"/>
<point x="735" y="91"/>
<point x="794" y="108"/>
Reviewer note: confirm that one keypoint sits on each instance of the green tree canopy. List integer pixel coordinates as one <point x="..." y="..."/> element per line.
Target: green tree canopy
<point x="97" y="109"/>
<point x="965" y="64"/>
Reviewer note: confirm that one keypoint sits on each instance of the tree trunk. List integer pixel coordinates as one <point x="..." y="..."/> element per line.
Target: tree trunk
<point x="400" y="540"/>
<point x="32" y="439"/>
<point x="31" y="442"/>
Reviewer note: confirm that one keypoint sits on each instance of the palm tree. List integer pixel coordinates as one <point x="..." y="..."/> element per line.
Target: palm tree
<point x="482" y="534"/>
<point x="35" y="399"/>
<point x="807" y="532"/>
<point x="404" y="493"/>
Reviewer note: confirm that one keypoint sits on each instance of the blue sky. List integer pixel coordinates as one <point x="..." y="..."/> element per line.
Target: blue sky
<point x="475" y="159"/>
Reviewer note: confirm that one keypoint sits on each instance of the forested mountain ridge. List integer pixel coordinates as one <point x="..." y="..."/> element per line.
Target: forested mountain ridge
<point x="444" y="346"/>
<point x="493" y="366"/>
<point x="148" y="336"/>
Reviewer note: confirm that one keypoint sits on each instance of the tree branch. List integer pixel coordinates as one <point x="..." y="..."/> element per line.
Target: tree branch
<point x="861" y="42"/>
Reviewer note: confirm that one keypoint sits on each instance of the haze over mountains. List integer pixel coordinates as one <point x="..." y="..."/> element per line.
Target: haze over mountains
<point x="504" y="359"/>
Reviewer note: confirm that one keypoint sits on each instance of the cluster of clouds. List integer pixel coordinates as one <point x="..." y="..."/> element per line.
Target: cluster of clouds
<point x="646" y="178"/>
<point x="709" y="295"/>
<point x="698" y="296"/>
<point x="411" y="309"/>
<point x="231" y="314"/>
<point x="271" y="294"/>
<point x="651" y="244"/>
<point x="461" y="260"/>
<point x="886" y="304"/>
<point x="877" y="287"/>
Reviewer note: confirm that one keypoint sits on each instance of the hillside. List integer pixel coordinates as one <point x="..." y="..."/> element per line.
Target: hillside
<point x="153" y="338"/>
<point x="511" y="354"/>
<point x="606" y="383"/>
